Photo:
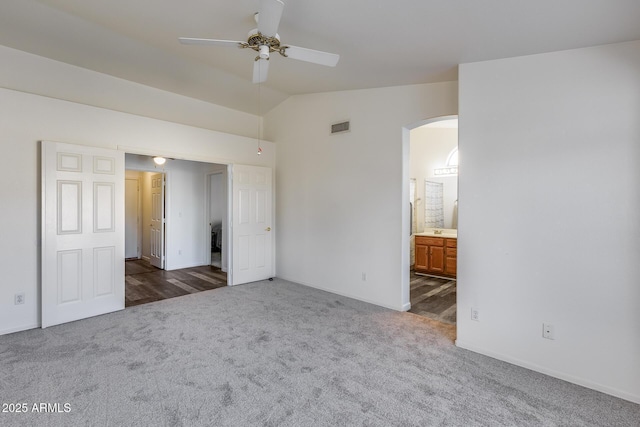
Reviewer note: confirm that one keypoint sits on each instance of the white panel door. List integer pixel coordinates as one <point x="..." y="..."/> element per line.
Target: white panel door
<point x="251" y="225"/>
<point x="82" y="232"/>
<point x="157" y="220"/>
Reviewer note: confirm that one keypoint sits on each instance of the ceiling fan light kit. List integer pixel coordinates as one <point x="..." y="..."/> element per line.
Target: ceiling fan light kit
<point x="265" y="40"/>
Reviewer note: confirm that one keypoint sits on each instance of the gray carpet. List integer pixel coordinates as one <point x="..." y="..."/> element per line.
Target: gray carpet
<point x="278" y="354"/>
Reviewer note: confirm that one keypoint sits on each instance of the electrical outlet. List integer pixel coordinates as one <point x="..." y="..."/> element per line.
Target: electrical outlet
<point x="548" y="331"/>
<point x="475" y="315"/>
<point x="18" y="298"/>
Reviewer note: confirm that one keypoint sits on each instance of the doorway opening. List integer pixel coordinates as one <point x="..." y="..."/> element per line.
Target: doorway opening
<point x="431" y="172"/>
<point x="168" y="237"/>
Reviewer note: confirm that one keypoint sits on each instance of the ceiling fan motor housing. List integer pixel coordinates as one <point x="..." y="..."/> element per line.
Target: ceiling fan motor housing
<point x="263" y="44"/>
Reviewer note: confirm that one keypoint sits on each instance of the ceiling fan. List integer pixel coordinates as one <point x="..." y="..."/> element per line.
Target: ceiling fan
<point x="266" y="40"/>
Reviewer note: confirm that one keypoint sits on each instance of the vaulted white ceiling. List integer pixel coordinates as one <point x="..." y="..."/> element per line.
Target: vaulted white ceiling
<point x="381" y="43"/>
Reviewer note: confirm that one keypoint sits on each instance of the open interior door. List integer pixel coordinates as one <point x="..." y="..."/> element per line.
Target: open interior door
<point x="157" y="220"/>
<point x="251" y="225"/>
<point x="82" y="232"/>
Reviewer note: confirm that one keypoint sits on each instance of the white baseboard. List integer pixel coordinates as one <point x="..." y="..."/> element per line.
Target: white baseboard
<point x="406" y="307"/>
<point x="189" y="265"/>
<point x="345" y="294"/>
<point x="19" y="328"/>
<point x="552" y="373"/>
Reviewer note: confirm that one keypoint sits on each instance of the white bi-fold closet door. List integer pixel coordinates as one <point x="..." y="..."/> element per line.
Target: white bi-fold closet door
<point x="82" y="232"/>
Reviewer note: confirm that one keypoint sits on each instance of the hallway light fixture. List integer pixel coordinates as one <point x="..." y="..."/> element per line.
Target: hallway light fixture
<point x="158" y="160"/>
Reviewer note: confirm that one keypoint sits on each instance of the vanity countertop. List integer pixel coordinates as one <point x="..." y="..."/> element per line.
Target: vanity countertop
<point x="448" y="233"/>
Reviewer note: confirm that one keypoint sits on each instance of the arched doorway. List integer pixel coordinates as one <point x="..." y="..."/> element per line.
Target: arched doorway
<point x="430" y="218"/>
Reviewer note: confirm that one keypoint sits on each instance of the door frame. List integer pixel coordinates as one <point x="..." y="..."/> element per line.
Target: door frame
<point x="167" y="184"/>
<point x="163" y="221"/>
<point x="405" y="240"/>
<point x="139" y="207"/>
<point x="229" y="168"/>
<point x="226" y="219"/>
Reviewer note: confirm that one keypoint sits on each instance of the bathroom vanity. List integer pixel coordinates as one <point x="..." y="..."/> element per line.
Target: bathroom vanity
<point x="436" y="253"/>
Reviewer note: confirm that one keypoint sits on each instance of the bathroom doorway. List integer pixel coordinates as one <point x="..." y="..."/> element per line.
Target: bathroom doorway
<point x="433" y="198"/>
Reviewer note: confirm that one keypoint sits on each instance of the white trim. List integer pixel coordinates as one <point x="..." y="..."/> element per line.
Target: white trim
<point x="230" y="277"/>
<point x="172" y="155"/>
<point x="26" y="327"/>
<point x="181" y="266"/>
<point x="406" y="307"/>
<point x="431" y="120"/>
<point x="229" y="249"/>
<point x="552" y="373"/>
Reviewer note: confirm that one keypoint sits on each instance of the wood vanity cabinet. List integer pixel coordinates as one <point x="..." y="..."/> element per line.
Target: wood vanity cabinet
<point x="451" y="257"/>
<point x="436" y="255"/>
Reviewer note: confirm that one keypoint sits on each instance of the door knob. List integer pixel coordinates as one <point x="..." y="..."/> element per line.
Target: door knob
<point x="267" y="229"/>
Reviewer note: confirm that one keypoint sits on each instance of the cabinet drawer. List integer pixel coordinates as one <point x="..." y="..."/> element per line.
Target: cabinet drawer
<point x="452" y="252"/>
<point x="452" y="243"/>
<point x="429" y="241"/>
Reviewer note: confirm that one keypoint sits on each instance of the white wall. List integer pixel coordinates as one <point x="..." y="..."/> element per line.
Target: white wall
<point x="26" y="119"/>
<point x="429" y="150"/>
<point x="220" y="198"/>
<point x="340" y="198"/>
<point x="186" y="232"/>
<point x="549" y="222"/>
<point x="217" y="201"/>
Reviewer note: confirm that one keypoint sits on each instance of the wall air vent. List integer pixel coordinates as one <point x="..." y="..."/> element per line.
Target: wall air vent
<point x="340" y="127"/>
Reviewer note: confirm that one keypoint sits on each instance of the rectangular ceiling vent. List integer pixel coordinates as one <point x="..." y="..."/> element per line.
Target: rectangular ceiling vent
<point x="340" y="127"/>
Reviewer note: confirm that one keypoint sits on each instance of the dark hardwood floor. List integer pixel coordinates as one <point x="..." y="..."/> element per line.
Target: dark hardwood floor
<point x="145" y="283"/>
<point x="433" y="297"/>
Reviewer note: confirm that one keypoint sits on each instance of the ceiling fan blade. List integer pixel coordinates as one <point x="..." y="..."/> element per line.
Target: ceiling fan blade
<point x="310" y="55"/>
<point x="269" y="17"/>
<point x="260" y="70"/>
<point x="210" y="42"/>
